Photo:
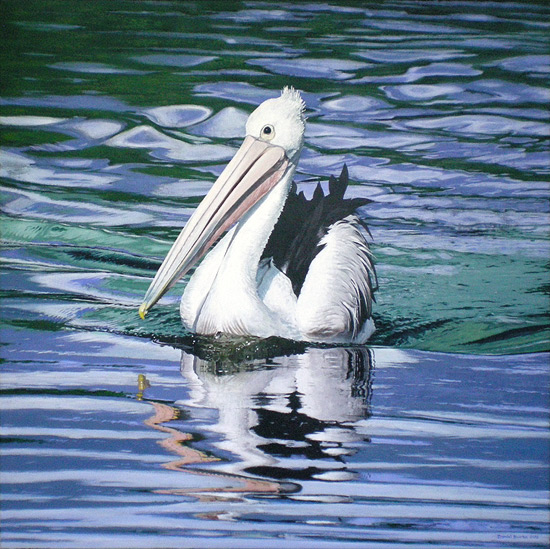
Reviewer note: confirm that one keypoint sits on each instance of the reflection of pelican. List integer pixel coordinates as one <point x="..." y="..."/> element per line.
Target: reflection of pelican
<point x="177" y="443"/>
<point x="303" y="272"/>
<point x="290" y="406"/>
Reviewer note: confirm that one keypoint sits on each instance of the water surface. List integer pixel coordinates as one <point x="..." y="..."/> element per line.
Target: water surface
<point x="116" y="117"/>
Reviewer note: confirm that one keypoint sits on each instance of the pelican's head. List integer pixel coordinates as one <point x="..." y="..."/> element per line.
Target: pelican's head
<point x="268" y="156"/>
<point x="280" y="122"/>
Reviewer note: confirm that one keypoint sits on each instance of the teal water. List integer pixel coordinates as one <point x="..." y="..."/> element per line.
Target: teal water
<point x="115" y="118"/>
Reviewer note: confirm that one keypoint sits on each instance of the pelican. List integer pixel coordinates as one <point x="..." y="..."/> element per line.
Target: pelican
<point x="288" y="267"/>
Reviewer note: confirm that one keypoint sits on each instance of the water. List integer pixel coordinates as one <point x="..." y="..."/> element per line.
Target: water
<point x="116" y="117"/>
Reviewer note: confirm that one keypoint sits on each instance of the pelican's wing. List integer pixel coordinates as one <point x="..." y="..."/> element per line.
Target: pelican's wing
<point x="321" y="246"/>
<point x="297" y="237"/>
<point x="335" y="303"/>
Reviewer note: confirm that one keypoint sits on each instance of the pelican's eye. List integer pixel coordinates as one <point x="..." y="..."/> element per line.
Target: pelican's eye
<point x="268" y="132"/>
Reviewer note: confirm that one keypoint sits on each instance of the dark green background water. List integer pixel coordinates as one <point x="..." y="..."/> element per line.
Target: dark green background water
<point x="116" y="118"/>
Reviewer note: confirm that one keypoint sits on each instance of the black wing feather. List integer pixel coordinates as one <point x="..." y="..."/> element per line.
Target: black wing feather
<point x="295" y="240"/>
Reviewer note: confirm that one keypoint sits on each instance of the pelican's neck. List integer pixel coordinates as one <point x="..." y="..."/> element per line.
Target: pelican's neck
<point x="222" y="295"/>
<point x="241" y="259"/>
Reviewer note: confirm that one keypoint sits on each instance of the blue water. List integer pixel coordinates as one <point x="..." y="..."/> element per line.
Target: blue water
<point x="115" y="119"/>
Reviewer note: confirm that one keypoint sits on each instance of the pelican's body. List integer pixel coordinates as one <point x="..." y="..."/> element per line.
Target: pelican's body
<point x="307" y="278"/>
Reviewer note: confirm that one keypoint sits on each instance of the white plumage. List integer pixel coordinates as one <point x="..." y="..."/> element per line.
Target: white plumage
<point x="310" y="277"/>
<point x="338" y="280"/>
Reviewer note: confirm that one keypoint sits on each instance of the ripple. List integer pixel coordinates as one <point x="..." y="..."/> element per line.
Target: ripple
<point x="346" y="139"/>
<point x="539" y="64"/>
<point x="72" y="102"/>
<point x="229" y="122"/>
<point x="414" y="74"/>
<point x="470" y="244"/>
<point x="85" y="132"/>
<point x="333" y="69"/>
<point x="163" y="146"/>
<point x="335" y="476"/>
<point x="90" y="285"/>
<point x="177" y="116"/>
<point x="241" y="92"/>
<point x="19" y="167"/>
<point x="421" y="92"/>
<point x="491" y="43"/>
<point x="36" y="206"/>
<point x="456" y="182"/>
<point x="96" y="129"/>
<point x="417" y="27"/>
<point x="442" y="213"/>
<point x="29" y="120"/>
<point x="404" y="174"/>
<point x="44" y="26"/>
<point x="174" y="60"/>
<point x="315" y="129"/>
<point x="70" y="403"/>
<point x="187" y="187"/>
<point x="481" y="124"/>
<point x="93" y="68"/>
<point x="486" y="91"/>
<point x="396" y="55"/>
<point x="382" y="427"/>
<point x="252" y="15"/>
<point x="352" y="104"/>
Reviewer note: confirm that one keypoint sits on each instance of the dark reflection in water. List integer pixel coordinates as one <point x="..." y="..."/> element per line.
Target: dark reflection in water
<point x="280" y="416"/>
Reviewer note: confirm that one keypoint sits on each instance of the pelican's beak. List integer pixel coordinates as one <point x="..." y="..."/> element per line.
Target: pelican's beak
<point x="254" y="170"/>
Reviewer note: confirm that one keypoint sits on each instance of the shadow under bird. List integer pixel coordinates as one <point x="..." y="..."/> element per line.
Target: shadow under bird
<point x="288" y="267"/>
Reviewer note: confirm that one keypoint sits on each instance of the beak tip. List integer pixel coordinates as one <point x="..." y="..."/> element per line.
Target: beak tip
<point x="143" y="311"/>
